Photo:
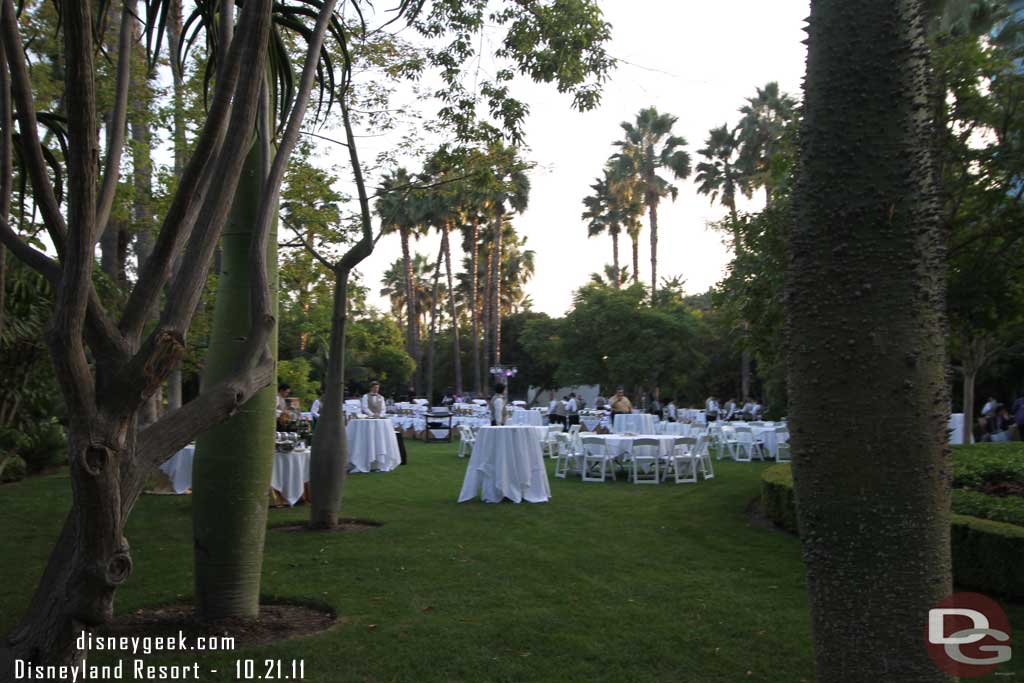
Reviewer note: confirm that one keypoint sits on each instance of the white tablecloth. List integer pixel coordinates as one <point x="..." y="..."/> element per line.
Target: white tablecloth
<point x="590" y="422"/>
<point x="179" y="469"/>
<point x="372" y="446"/>
<point x="616" y="445"/>
<point x="675" y="428"/>
<point x="290" y="474"/>
<point x="956" y="429"/>
<point x="635" y="423"/>
<point x="507" y="462"/>
<point x="526" y="417"/>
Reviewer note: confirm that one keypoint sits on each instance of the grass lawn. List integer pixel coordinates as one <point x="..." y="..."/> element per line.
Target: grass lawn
<point x="610" y="582"/>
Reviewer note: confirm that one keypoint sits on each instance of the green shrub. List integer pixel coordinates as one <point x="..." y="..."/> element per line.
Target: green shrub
<point x="988" y="463"/>
<point x="12" y="468"/>
<point x="42" y="444"/>
<point x="1009" y="509"/>
<point x="778" y="497"/>
<point x="987" y="554"/>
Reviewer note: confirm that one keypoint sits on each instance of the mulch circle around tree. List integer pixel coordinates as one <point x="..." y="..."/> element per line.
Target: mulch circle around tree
<point x="345" y="525"/>
<point x="275" y="622"/>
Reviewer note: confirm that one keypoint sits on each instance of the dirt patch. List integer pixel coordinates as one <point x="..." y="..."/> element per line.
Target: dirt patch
<point x="1002" y="488"/>
<point x="345" y="525"/>
<point x="275" y="622"/>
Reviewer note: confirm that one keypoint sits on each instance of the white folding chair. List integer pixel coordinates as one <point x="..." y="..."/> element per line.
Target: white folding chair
<point x="682" y="460"/>
<point x="466" y="441"/>
<point x="701" y="451"/>
<point x="644" y="460"/>
<point x="566" y="459"/>
<point x="782" y="454"/>
<point x="595" y="465"/>
<point x="742" y="445"/>
<point x="550" y="441"/>
<point x="574" y="430"/>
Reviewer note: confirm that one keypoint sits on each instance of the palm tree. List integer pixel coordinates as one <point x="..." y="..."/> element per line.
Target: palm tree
<point x="648" y="149"/>
<point x="396" y="287"/>
<point x="598" y="214"/>
<point x="865" y="213"/>
<point x="508" y="192"/>
<point x="400" y="211"/>
<point x="718" y="175"/>
<point x="763" y="139"/>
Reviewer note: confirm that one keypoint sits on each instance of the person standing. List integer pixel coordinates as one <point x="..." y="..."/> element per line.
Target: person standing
<point x="620" y="404"/>
<point x="498" y="406"/>
<point x="711" y="409"/>
<point x="572" y="410"/>
<point x="372" y="403"/>
<point x="283" y="390"/>
<point x="314" y="409"/>
<point x="671" y="413"/>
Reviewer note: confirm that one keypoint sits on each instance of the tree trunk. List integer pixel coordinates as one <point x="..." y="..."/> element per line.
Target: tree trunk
<point x="174" y="19"/>
<point x="114" y="252"/>
<point x="233" y="460"/>
<point x="328" y="464"/>
<point x="970" y="376"/>
<point x="6" y="171"/>
<point x="412" y="330"/>
<point x="653" y="215"/>
<point x="142" y="191"/>
<point x="456" y="347"/>
<point x="433" y="325"/>
<point x="636" y="258"/>
<point x="474" y="261"/>
<point x="615" y="260"/>
<point x="865" y="300"/>
<point x="496" y="286"/>
<point x="745" y="374"/>
<point x="488" y="295"/>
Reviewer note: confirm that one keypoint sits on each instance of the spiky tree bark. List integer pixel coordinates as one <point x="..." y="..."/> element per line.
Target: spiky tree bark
<point x="865" y="320"/>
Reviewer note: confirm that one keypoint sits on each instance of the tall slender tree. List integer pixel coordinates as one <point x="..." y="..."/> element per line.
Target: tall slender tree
<point x="401" y="211"/>
<point x="717" y="175"/>
<point x="864" y="306"/>
<point x="765" y="135"/>
<point x="648" y="150"/>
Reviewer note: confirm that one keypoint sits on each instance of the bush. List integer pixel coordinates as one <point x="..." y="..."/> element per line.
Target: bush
<point x="985" y="464"/>
<point x="12" y="468"/>
<point x="1009" y="509"/>
<point x="41" y="445"/>
<point x="987" y="554"/>
<point x="778" y="497"/>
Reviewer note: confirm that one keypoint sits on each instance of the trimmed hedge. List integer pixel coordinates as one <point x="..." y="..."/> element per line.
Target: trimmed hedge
<point x="987" y="554"/>
<point x="1009" y="509"/>
<point x="988" y="463"/>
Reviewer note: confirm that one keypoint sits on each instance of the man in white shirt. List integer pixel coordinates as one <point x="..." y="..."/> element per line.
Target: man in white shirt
<point x="671" y="414"/>
<point x="498" y="406"/>
<point x="711" y="409"/>
<point x="314" y="409"/>
<point x="989" y="409"/>
<point x="373" y="403"/>
<point x="282" y="393"/>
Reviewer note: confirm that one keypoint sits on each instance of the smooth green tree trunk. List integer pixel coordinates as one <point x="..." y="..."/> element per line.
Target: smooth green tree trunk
<point x="866" y="346"/>
<point x="233" y="461"/>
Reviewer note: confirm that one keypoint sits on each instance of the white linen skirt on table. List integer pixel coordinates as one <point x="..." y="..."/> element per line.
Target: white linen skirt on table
<point x="507" y="462"/>
<point x="372" y="446"/>
<point x="290" y="474"/>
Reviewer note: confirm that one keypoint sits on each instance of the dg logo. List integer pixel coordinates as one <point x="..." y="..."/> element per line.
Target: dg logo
<point x="968" y="635"/>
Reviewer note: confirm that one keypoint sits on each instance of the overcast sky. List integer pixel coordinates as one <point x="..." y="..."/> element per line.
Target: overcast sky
<point x="696" y="60"/>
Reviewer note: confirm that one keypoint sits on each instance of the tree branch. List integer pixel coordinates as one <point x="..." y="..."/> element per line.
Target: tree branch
<point x="259" y="293"/>
<point x="176" y="429"/>
<point x="188" y="200"/>
<point x="115" y="140"/>
<point x="21" y="86"/>
<point x="309" y="247"/>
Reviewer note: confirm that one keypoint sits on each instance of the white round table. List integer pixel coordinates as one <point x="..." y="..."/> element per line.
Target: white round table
<point x="291" y="473"/>
<point x="179" y="469"/>
<point x="633" y="423"/>
<point x="372" y="446"/>
<point x="507" y="462"/>
<point x="531" y="418"/>
<point x="615" y="445"/>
